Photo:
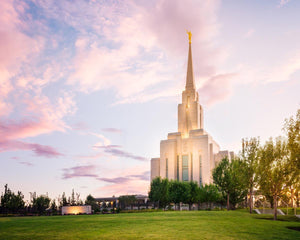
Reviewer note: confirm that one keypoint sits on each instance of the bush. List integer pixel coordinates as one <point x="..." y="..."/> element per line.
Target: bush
<point x="104" y="210"/>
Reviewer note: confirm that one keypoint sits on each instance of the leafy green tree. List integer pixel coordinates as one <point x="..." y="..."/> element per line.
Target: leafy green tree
<point x="230" y="177"/>
<point x="292" y="129"/>
<point x="194" y="193"/>
<point x="53" y="206"/>
<point x="274" y="170"/>
<point x="127" y="200"/>
<point x="159" y="192"/>
<point x="209" y="193"/>
<point x="179" y="192"/>
<point x="64" y="201"/>
<point x="11" y="202"/>
<point x="73" y="200"/>
<point x="90" y="200"/>
<point x="41" y="203"/>
<point x="154" y="193"/>
<point x="250" y="150"/>
<point x="164" y="200"/>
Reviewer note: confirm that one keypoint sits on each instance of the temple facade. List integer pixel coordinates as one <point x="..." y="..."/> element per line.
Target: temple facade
<point x="191" y="153"/>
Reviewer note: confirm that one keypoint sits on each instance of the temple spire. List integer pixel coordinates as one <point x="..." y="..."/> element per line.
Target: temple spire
<point x="190" y="83"/>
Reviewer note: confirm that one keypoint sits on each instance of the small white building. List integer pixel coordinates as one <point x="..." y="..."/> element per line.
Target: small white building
<point x="191" y="153"/>
<point x="84" y="209"/>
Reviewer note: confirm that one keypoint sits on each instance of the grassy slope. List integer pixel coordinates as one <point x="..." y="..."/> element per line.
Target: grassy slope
<point x="159" y="225"/>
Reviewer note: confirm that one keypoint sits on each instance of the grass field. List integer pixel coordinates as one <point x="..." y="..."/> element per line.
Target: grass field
<point x="152" y="225"/>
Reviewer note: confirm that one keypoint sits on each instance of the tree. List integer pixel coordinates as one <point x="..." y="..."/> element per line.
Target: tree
<point x="250" y="149"/>
<point x="159" y="192"/>
<point x="41" y="203"/>
<point x="194" y="193"/>
<point x="127" y="200"/>
<point x="11" y="202"/>
<point x="164" y="189"/>
<point x="209" y="194"/>
<point x="53" y="206"/>
<point x="73" y="201"/>
<point x="230" y="177"/>
<point x="90" y="200"/>
<point x="179" y="192"/>
<point x="273" y="170"/>
<point x="64" y="201"/>
<point x="292" y="129"/>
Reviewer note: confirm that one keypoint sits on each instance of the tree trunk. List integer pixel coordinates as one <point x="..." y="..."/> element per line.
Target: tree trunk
<point x="190" y="206"/>
<point x="228" y="202"/>
<point x="293" y="205"/>
<point x="251" y="200"/>
<point x="275" y="208"/>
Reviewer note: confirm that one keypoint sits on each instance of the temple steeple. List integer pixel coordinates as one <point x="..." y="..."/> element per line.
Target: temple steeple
<point x="190" y="82"/>
<point x="190" y="112"/>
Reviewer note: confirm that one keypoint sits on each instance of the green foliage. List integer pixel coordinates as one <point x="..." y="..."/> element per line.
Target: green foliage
<point x="11" y="202"/>
<point x="159" y="192"/>
<point x="230" y="177"/>
<point x="127" y="200"/>
<point x="179" y="192"/>
<point x="209" y="193"/>
<point x="273" y="170"/>
<point x="194" y="193"/>
<point x="292" y="128"/>
<point x="73" y="201"/>
<point x="250" y="153"/>
<point x="90" y="200"/>
<point x="40" y="204"/>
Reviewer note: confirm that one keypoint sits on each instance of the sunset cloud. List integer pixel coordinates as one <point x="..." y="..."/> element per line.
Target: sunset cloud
<point x="38" y="149"/>
<point x="115" y="150"/>
<point x="79" y="171"/>
<point x="217" y="88"/>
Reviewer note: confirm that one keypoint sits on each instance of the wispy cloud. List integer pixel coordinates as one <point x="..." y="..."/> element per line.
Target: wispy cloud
<point x="79" y="171"/>
<point x="117" y="152"/>
<point x="217" y="88"/>
<point x="38" y="149"/>
<point x="284" y="70"/>
<point x="145" y="176"/>
<point x="116" y="180"/>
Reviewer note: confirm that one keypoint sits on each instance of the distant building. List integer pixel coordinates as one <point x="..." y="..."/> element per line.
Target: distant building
<point x="84" y="209"/>
<point x="191" y="153"/>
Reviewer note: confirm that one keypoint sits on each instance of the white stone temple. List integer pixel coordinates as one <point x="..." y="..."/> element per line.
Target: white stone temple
<point x="191" y="153"/>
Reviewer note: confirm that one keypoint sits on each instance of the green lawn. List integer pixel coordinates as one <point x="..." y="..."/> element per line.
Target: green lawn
<point x="152" y="225"/>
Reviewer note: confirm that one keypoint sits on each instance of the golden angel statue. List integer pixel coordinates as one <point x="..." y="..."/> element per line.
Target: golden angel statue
<point x="190" y="36"/>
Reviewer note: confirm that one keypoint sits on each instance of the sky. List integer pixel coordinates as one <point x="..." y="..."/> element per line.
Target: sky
<point x="89" y="88"/>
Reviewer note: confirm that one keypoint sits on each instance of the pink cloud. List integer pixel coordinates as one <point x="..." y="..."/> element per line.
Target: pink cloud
<point x="25" y="128"/>
<point x="217" y="88"/>
<point x="154" y="31"/>
<point x="115" y="150"/>
<point x="79" y="171"/>
<point x="38" y="149"/>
